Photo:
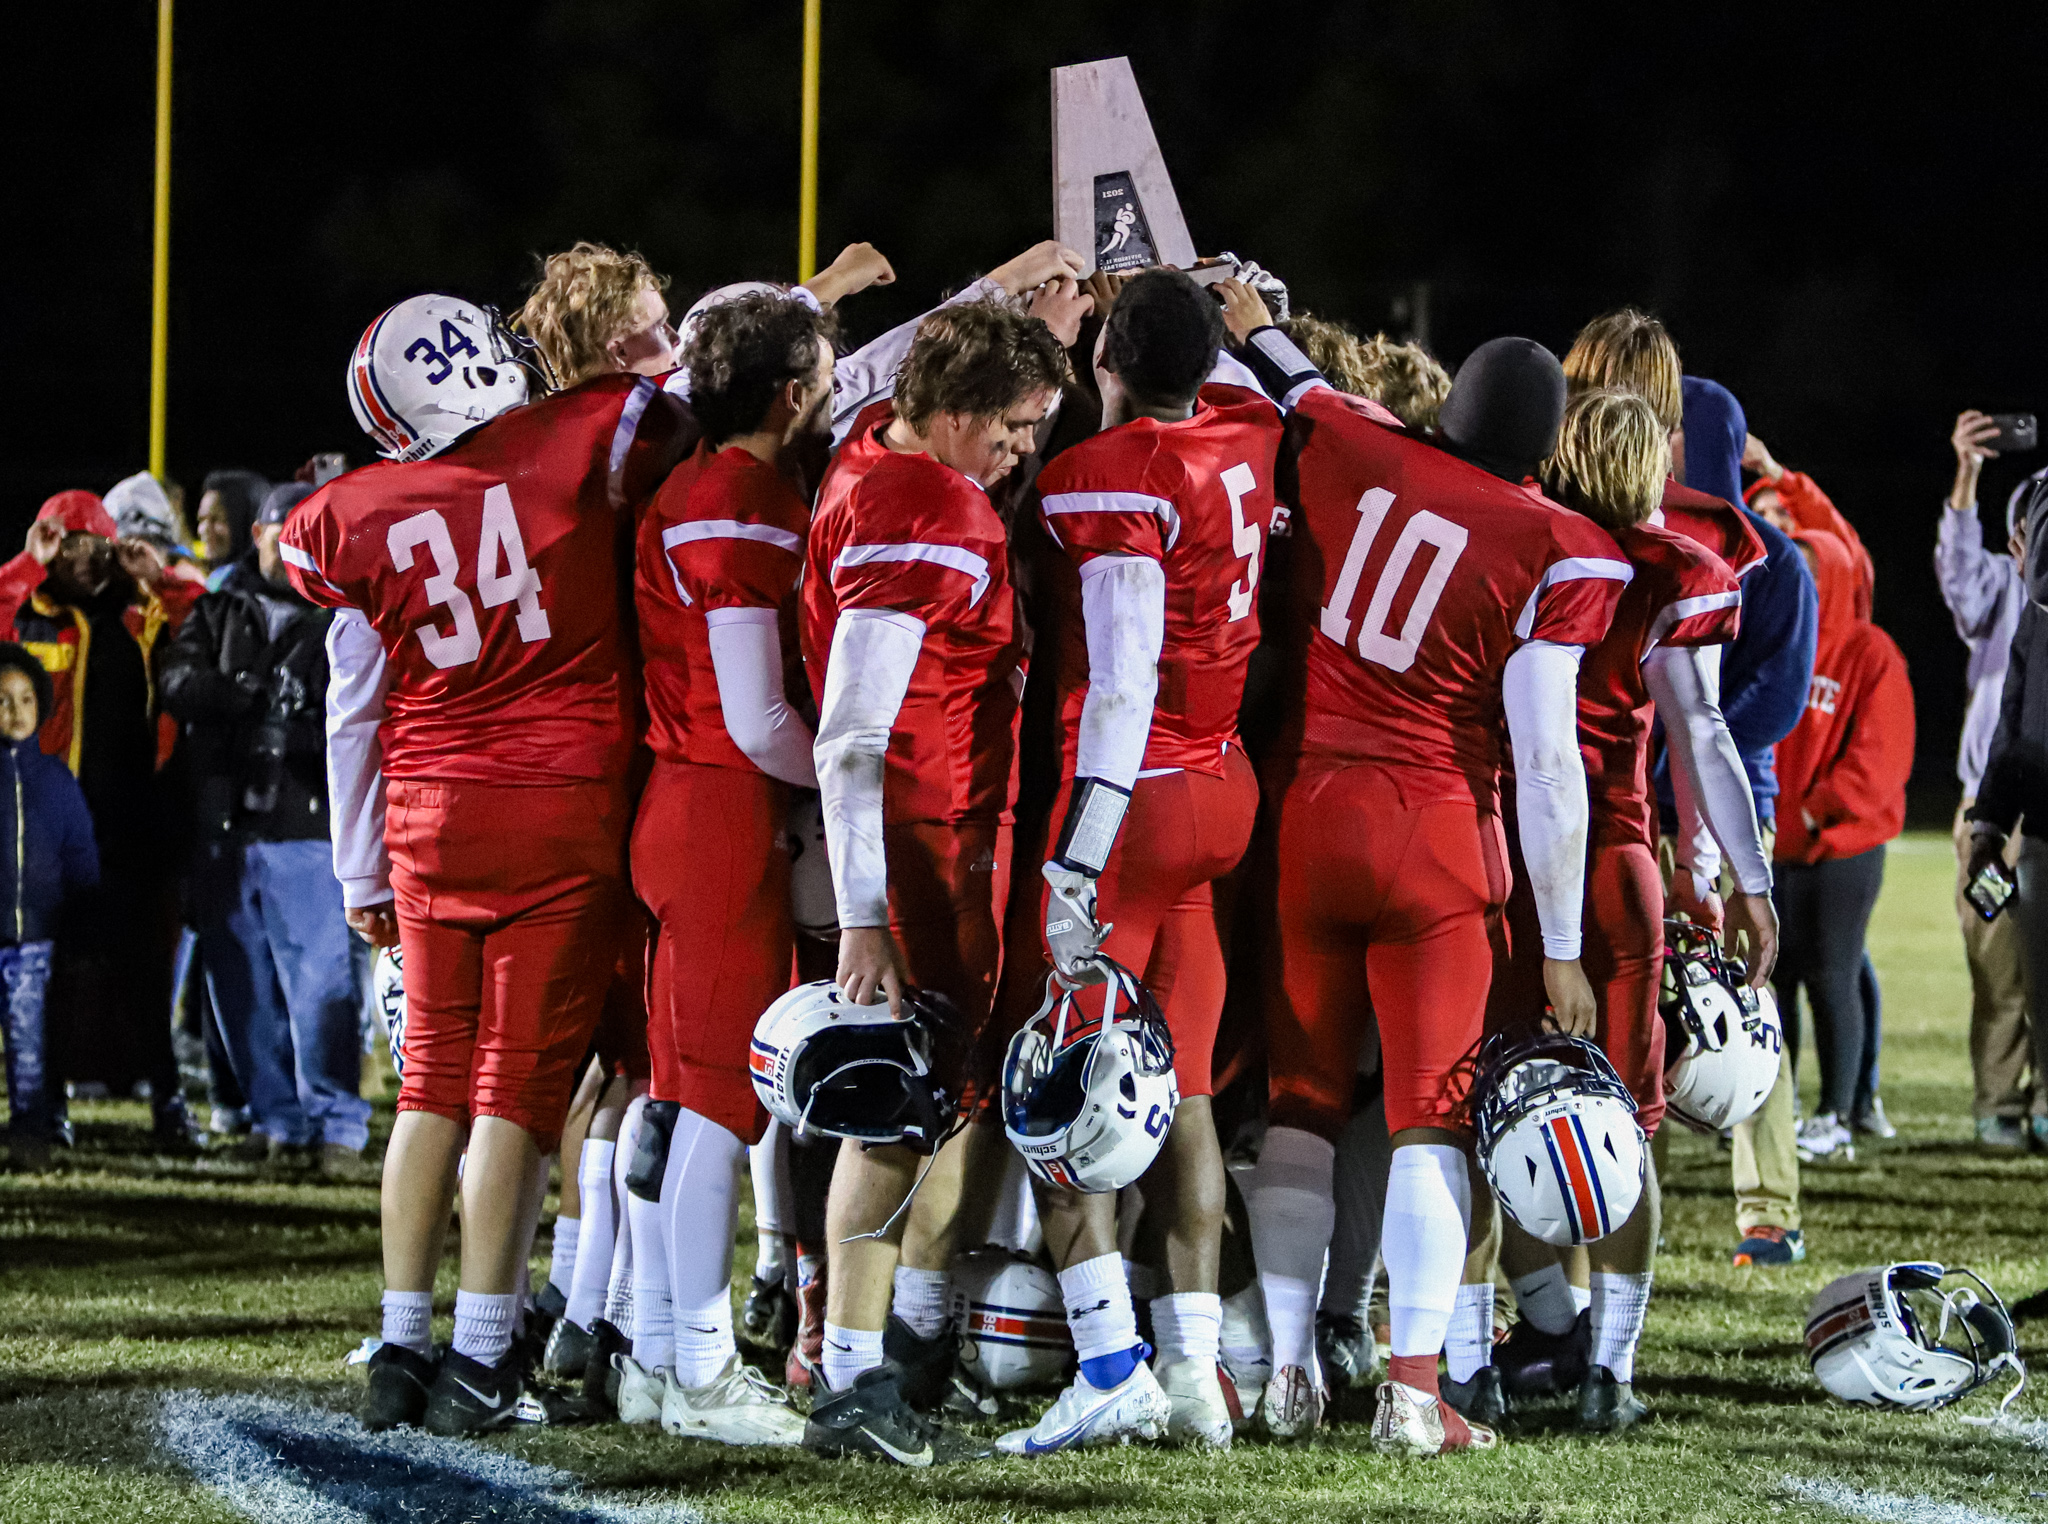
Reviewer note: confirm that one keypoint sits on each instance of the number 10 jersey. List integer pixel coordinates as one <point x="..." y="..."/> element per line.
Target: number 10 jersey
<point x="492" y="573"/>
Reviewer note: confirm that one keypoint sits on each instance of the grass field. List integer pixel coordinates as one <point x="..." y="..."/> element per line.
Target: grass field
<point x="125" y="1280"/>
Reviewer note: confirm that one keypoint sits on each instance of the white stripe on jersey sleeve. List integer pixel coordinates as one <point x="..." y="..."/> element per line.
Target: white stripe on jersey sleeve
<point x="722" y="529"/>
<point x="956" y="557"/>
<point x="623" y="437"/>
<point x="1110" y="502"/>
<point x="293" y="556"/>
<point x="1668" y="620"/>
<point x="1571" y="569"/>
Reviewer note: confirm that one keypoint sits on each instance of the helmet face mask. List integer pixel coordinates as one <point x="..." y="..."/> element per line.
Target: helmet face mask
<point x="824" y="1066"/>
<point x="1088" y="1096"/>
<point x="432" y="368"/>
<point x="1891" y="1337"/>
<point x="1556" y="1134"/>
<point x="1724" y="1038"/>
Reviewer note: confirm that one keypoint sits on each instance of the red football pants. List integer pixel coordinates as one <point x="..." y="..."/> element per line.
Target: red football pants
<point x="509" y="904"/>
<point x="948" y="886"/>
<point x="710" y="860"/>
<point x="1182" y="832"/>
<point x="1399" y="903"/>
<point x="1622" y="952"/>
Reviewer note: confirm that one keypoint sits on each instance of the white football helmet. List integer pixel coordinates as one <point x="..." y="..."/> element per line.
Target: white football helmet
<point x="1088" y="1096"/>
<point x="387" y="989"/>
<point x="823" y="1065"/>
<point x="1890" y="1337"/>
<point x="1557" y="1136"/>
<point x="431" y="369"/>
<point x="812" y="904"/>
<point x="717" y="296"/>
<point x="1012" y="1321"/>
<point x="1724" y="1037"/>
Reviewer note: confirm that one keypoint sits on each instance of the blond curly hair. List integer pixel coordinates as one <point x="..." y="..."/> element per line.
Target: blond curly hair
<point x="1405" y="379"/>
<point x="584" y="299"/>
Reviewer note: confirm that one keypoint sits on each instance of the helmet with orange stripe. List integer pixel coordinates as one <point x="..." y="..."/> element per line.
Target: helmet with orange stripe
<point x="1557" y="1136"/>
<point x="429" y="370"/>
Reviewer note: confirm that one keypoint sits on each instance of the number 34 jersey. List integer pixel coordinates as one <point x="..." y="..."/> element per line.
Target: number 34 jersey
<point x="492" y="573"/>
<point x="1196" y="496"/>
<point x="1416" y="576"/>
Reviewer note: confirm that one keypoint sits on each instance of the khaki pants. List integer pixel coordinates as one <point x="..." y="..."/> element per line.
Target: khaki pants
<point x="2000" y="1033"/>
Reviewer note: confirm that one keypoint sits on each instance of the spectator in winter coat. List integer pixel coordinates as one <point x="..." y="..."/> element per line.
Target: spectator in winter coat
<point x="247" y="677"/>
<point x="94" y="610"/>
<point x="1842" y="772"/>
<point x="46" y="856"/>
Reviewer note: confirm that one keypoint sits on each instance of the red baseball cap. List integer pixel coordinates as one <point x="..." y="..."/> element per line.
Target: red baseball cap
<point x="80" y="513"/>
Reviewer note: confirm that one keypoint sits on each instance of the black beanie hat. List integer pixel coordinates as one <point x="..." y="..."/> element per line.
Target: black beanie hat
<point x="24" y="662"/>
<point x="1505" y="406"/>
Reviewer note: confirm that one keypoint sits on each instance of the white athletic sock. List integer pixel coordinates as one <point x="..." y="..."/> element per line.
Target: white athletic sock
<point x="704" y="1341"/>
<point x="562" y="1267"/>
<point x="1469" y="1347"/>
<point x="1187" y="1325"/>
<point x="1429" y="1212"/>
<point x="771" y="1256"/>
<point x="700" y="1203"/>
<point x="1620" y="1302"/>
<point x="1582" y="1298"/>
<point x="618" y="1293"/>
<point x="1246" y="1340"/>
<point x="483" y="1325"/>
<point x="1292" y="1215"/>
<point x="409" y="1319"/>
<point x="653" y="1305"/>
<point x="599" y="1224"/>
<point x="922" y="1299"/>
<point x="1545" y="1298"/>
<point x="1099" y="1310"/>
<point x="850" y="1353"/>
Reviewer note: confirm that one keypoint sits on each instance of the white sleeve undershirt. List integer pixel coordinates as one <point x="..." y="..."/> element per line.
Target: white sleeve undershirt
<point x="1123" y="609"/>
<point x="874" y="652"/>
<point x="746" y="655"/>
<point x="1716" y="812"/>
<point x="869" y="373"/>
<point x="1539" y="689"/>
<point x="355" y="759"/>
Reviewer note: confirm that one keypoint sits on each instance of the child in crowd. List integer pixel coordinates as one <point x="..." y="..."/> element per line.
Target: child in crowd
<point x="46" y="855"/>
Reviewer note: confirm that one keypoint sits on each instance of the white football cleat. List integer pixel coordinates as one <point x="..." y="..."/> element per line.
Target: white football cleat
<point x="1200" y="1416"/>
<point x="1133" y="1409"/>
<point x="739" y="1406"/>
<point x="641" y="1391"/>
<point x="1409" y="1422"/>
<point x="1293" y="1404"/>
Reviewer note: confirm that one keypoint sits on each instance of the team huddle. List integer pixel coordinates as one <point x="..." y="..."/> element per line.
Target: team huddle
<point x="929" y="749"/>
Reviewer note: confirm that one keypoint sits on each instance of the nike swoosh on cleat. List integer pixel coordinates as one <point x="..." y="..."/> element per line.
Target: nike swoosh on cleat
<point x="490" y="1402"/>
<point x="922" y="1456"/>
<point x="1065" y="1436"/>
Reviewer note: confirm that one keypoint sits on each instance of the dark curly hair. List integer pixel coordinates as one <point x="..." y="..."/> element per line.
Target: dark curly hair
<point x="1164" y="332"/>
<point x="744" y="352"/>
<point x="977" y="358"/>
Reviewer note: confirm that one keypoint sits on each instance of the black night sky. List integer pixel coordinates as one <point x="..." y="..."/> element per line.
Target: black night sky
<point x="1835" y="208"/>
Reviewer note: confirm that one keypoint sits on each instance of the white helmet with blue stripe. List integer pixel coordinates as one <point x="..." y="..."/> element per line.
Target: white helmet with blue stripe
<point x="429" y="370"/>
<point x="1012" y="1320"/>
<point x="1557" y="1136"/>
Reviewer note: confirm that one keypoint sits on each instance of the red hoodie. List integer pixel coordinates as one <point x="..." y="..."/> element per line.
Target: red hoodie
<point x="1842" y="771"/>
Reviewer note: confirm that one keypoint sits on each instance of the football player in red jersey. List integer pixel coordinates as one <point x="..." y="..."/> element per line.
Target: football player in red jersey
<point x="476" y="664"/>
<point x="1436" y="595"/>
<point x="910" y="637"/>
<point x="1162" y="517"/>
<point x="718" y="559"/>
<point x="1661" y="656"/>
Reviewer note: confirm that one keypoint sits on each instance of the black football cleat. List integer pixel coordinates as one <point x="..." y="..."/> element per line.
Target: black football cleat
<point x="600" y="1375"/>
<point x="1345" y="1349"/>
<point x="769" y="1314"/>
<point x="1480" y="1400"/>
<point x="568" y="1350"/>
<point x="1533" y="1363"/>
<point x="870" y="1418"/>
<point x="1606" y="1405"/>
<point x="400" y="1379"/>
<point x="924" y="1367"/>
<point x="469" y="1397"/>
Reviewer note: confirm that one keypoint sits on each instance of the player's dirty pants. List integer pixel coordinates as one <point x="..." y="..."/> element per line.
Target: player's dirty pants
<point x="710" y="859"/>
<point x="510" y="903"/>
<point x="1404" y="902"/>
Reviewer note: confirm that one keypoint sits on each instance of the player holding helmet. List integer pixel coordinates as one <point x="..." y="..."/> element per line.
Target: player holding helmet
<point x="1436" y="595"/>
<point x="476" y="666"/>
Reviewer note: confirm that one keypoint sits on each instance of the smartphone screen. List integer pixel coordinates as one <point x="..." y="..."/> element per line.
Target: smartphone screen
<point x="1989" y="890"/>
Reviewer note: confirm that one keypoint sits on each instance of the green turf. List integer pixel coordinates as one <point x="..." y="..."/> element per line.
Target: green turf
<point x="122" y="1275"/>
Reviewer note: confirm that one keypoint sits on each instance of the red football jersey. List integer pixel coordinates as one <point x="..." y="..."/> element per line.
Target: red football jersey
<point x="726" y="532"/>
<point x="1682" y="594"/>
<point x="1715" y="523"/>
<point x="1416" y="576"/>
<point x="1197" y="497"/>
<point x="491" y="573"/>
<point x="905" y="533"/>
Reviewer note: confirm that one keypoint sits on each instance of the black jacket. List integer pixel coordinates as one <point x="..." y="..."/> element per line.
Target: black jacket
<point x="247" y="680"/>
<point x="46" y="847"/>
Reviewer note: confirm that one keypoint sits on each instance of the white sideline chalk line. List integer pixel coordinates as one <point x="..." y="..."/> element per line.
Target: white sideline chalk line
<point x="1887" y="1507"/>
<point x="230" y="1443"/>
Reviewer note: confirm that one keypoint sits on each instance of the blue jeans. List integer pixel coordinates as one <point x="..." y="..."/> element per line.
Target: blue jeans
<point x="276" y="954"/>
<point x="24" y="980"/>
